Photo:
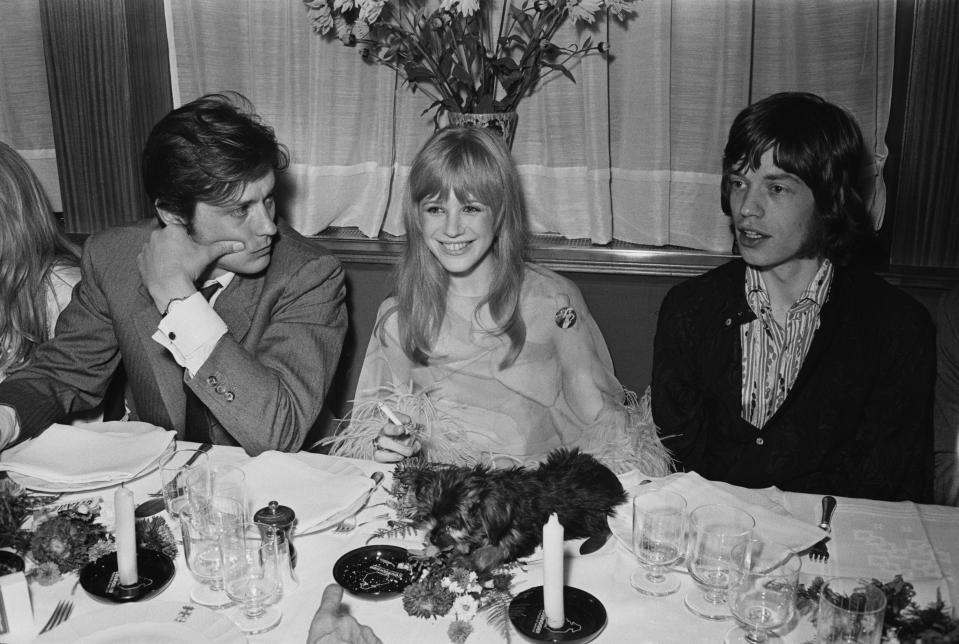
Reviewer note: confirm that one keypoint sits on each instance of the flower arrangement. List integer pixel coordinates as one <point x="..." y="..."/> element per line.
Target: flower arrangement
<point x="465" y="55"/>
<point x="446" y="586"/>
<point x="445" y="583"/>
<point x="905" y="622"/>
<point x="65" y="538"/>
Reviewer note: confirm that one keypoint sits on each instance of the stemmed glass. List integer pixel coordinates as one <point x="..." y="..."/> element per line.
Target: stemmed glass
<point x="227" y="481"/>
<point x="177" y="469"/>
<point x="202" y="528"/>
<point x="658" y="541"/>
<point x="762" y="594"/>
<point x="715" y="529"/>
<point x="251" y="577"/>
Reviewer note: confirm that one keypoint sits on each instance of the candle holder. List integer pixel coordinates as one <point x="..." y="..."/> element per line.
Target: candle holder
<point x="585" y="616"/>
<point x="101" y="578"/>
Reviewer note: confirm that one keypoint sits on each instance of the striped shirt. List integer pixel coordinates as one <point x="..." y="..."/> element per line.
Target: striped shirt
<point x="773" y="355"/>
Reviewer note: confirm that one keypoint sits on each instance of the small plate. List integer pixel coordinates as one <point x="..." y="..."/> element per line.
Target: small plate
<point x="155" y="621"/>
<point x="100" y="578"/>
<point x="585" y="616"/>
<point x="378" y="570"/>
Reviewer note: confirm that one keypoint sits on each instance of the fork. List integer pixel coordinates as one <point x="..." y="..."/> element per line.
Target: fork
<point x="819" y="552"/>
<point x="350" y="524"/>
<point x="60" y="614"/>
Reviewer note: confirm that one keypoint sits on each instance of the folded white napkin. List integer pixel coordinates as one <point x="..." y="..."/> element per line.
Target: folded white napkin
<point x="773" y="522"/>
<point x="95" y="452"/>
<point x="315" y="494"/>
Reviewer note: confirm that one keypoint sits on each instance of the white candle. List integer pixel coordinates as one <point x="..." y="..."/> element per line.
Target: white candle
<point x="125" y="533"/>
<point x="553" y="572"/>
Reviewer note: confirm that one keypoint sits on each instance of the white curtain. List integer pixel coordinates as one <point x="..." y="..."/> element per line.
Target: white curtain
<point x="25" y="121"/>
<point x="630" y="151"/>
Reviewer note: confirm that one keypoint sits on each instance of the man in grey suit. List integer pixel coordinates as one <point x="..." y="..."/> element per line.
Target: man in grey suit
<point x="229" y="324"/>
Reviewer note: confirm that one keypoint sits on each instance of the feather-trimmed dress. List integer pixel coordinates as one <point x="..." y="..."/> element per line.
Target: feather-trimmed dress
<point x="559" y="392"/>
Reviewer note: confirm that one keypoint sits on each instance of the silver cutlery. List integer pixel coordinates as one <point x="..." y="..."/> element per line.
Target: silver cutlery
<point x="350" y="524"/>
<point x="345" y="524"/>
<point x="60" y="614"/>
<point x="819" y="552"/>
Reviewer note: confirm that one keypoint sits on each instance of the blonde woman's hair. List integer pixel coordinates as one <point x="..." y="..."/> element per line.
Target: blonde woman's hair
<point x="30" y="246"/>
<point x="471" y="163"/>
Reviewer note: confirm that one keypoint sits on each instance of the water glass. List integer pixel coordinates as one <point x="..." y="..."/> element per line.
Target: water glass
<point x="850" y="610"/>
<point x="176" y="468"/>
<point x="659" y="539"/>
<point x="202" y="529"/>
<point x="251" y="577"/>
<point x="762" y="592"/>
<point x="714" y="530"/>
<point x="225" y="481"/>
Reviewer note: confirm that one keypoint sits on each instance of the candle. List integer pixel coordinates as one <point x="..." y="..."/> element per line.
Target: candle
<point x="125" y="533"/>
<point x="553" y="573"/>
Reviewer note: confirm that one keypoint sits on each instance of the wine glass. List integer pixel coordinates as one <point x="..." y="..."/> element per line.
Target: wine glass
<point x="658" y="541"/>
<point x="850" y="610"/>
<point x="177" y="468"/>
<point x="202" y="529"/>
<point x="225" y="481"/>
<point x="715" y="529"/>
<point x="762" y="593"/>
<point x="251" y="577"/>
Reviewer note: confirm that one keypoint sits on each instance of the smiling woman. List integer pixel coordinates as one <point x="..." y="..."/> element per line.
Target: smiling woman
<point x="486" y="358"/>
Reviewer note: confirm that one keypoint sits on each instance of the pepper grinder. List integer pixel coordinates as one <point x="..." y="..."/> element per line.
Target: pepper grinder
<point x="281" y="519"/>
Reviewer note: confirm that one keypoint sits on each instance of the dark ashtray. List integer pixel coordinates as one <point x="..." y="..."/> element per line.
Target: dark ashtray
<point x="585" y="616"/>
<point x="10" y="562"/>
<point x="374" y="571"/>
<point x="101" y="579"/>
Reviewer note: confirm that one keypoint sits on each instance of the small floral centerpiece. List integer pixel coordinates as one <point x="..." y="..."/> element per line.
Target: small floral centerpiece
<point x="904" y="621"/>
<point x="62" y="539"/>
<point x="446" y="584"/>
<point x="465" y="55"/>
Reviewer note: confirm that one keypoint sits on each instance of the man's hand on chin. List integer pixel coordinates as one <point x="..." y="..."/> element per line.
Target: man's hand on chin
<point x="170" y="263"/>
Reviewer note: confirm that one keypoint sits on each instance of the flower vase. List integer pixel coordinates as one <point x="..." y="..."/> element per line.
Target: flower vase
<point x="503" y="123"/>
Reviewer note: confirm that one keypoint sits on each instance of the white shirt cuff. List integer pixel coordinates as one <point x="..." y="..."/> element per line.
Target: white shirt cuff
<point x="190" y="331"/>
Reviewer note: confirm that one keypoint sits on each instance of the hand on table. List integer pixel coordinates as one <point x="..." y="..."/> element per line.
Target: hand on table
<point x="330" y="626"/>
<point x="395" y="442"/>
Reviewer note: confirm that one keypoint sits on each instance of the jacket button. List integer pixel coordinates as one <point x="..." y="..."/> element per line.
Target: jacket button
<point x="729" y="321"/>
<point x="220" y="390"/>
<point x="229" y="396"/>
<point x="212" y="381"/>
<point x="760" y="441"/>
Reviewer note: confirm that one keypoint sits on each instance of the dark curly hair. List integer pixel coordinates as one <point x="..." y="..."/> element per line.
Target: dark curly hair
<point x="820" y="143"/>
<point x="208" y="150"/>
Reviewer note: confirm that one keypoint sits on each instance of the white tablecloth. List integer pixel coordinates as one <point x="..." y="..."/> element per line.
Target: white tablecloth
<point x="871" y="539"/>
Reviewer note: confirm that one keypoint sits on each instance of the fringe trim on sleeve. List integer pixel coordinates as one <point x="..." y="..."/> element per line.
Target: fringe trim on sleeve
<point x="442" y="437"/>
<point x="639" y="448"/>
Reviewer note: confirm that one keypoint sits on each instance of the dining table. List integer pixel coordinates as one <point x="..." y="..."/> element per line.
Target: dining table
<point x="869" y="539"/>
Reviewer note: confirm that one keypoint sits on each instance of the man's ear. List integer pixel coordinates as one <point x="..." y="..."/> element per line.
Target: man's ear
<point x="168" y="217"/>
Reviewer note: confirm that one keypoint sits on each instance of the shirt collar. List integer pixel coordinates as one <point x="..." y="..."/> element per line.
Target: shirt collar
<point x="816" y="292"/>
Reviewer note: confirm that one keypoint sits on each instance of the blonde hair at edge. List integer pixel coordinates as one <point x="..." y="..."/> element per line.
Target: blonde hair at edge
<point x="30" y="246"/>
<point x="471" y="163"/>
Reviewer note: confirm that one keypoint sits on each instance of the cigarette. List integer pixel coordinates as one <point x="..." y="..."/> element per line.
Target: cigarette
<point x="389" y="414"/>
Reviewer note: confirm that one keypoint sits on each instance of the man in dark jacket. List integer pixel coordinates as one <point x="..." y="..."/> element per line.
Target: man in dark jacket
<point x="790" y="366"/>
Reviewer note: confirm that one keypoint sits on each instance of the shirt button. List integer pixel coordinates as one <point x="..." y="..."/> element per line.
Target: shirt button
<point x="229" y="396"/>
<point x="212" y="381"/>
<point x="760" y="441"/>
<point x="171" y="335"/>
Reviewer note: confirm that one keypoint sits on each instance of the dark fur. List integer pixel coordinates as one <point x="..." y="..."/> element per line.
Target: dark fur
<point x="497" y="515"/>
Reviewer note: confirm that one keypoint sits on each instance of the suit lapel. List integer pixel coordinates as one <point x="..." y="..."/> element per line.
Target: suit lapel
<point x="237" y="303"/>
